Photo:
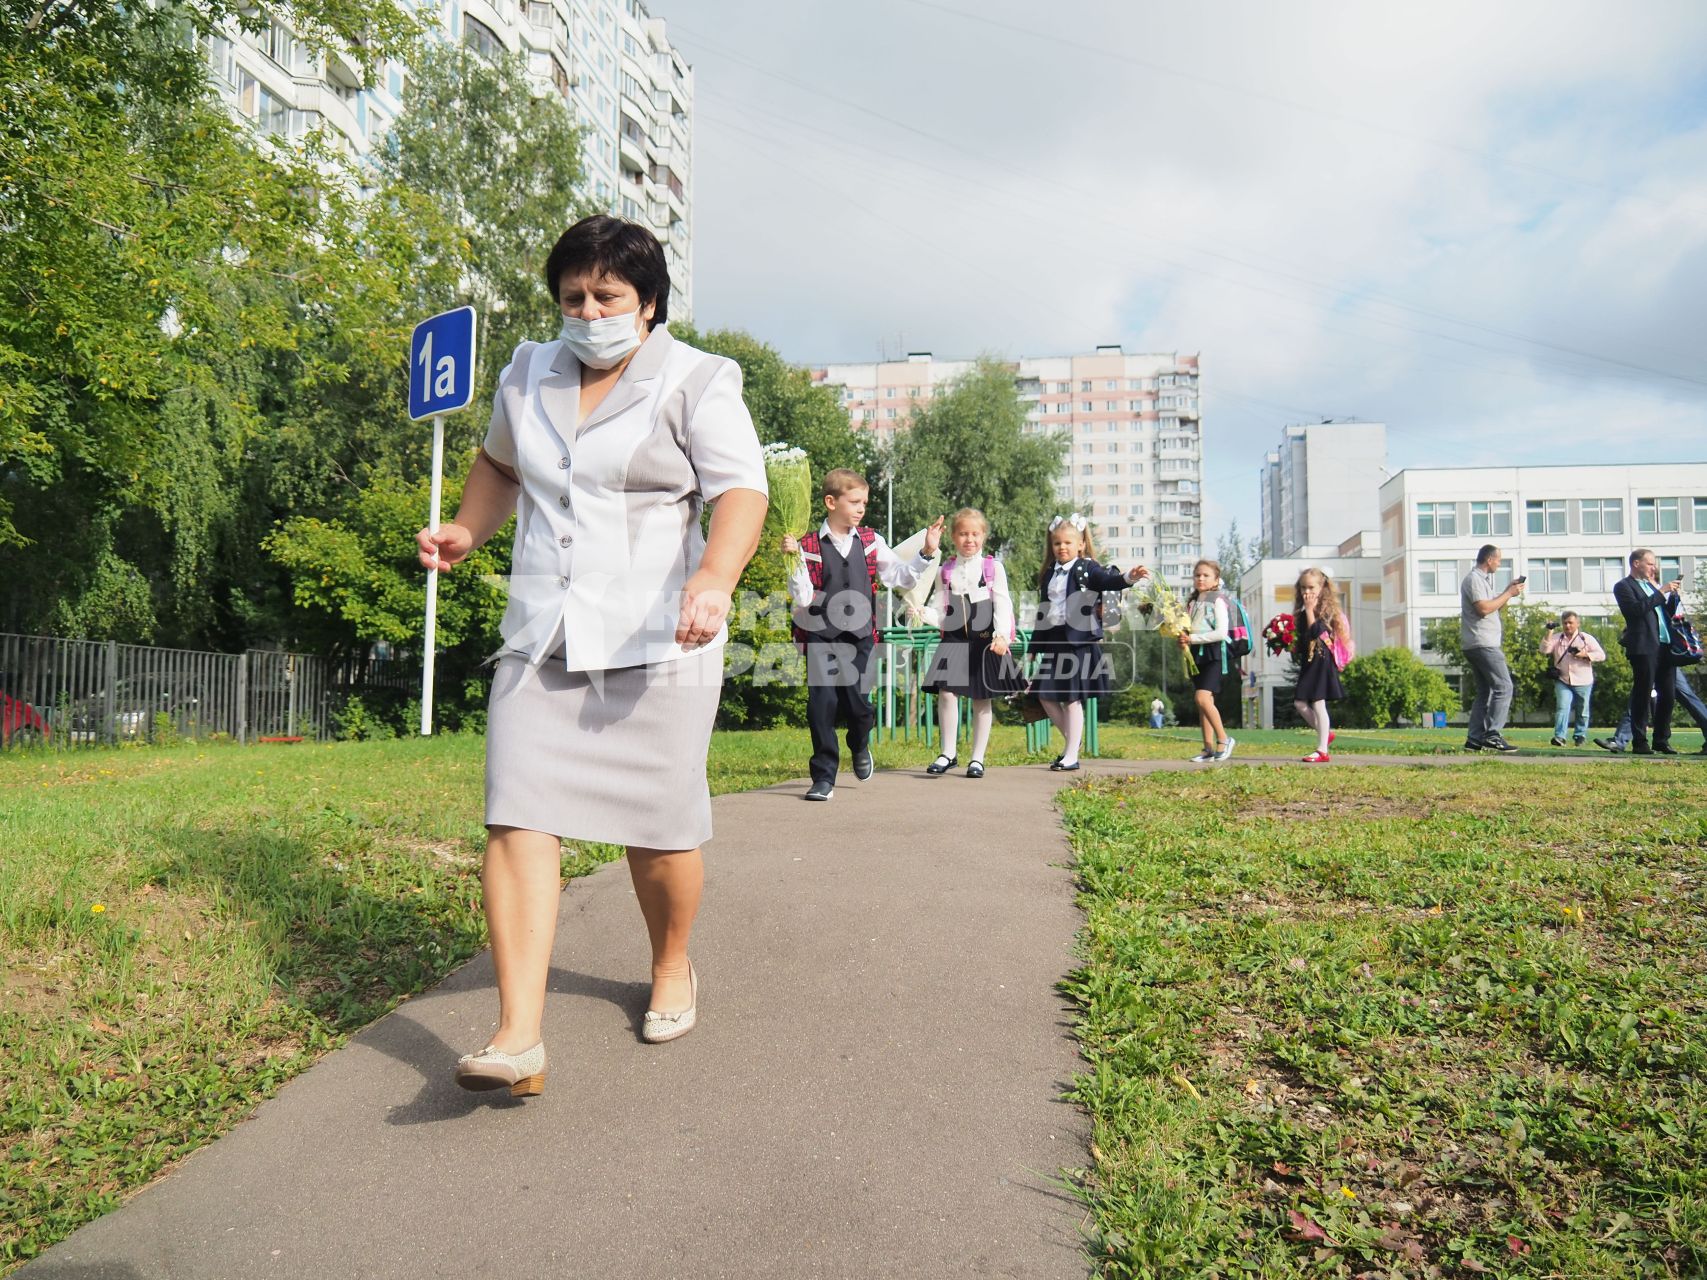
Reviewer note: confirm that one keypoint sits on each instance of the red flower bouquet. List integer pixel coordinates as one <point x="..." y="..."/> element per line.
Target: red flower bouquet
<point x="1278" y="634"/>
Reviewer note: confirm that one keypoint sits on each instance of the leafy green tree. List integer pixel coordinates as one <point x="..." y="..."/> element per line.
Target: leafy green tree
<point x="1391" y="684"/>
<point x="967" y="447"/>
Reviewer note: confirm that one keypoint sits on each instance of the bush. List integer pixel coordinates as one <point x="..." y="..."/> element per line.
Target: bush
<point x="1391" y="684"/>
<point x="355" y="721"/>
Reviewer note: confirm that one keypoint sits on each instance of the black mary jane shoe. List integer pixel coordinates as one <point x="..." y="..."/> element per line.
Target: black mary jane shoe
<point x="1058" y="767"/>
<point x="942" y="764"/>
<point x="975" y="769"/>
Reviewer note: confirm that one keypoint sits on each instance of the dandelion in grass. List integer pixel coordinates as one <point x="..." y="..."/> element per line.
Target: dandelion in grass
<point x="1156" y="599"/>
<point x="96" y="908"/>
<point x="788" y="473"/>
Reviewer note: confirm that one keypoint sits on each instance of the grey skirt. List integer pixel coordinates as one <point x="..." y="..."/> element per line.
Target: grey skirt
<point x="612" y="756"/>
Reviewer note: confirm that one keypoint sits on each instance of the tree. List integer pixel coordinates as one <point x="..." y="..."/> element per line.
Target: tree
<point x="1391" y="684"/>
<point x="1532" y="683"/>
<point x="1235" y="555"/>
<point x="967" y="447"/>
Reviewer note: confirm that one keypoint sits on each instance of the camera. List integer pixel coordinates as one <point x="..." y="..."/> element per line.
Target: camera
<point x="1553" y="624"/>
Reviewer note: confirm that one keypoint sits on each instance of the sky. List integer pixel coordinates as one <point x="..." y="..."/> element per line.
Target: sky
<point x="1482" y="224"/>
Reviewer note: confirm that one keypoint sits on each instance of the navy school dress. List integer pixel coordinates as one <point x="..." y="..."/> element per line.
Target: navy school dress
<point x="1318" y="673"/>
<point x="1071" y="664"/>
<point x="963" y="663"/>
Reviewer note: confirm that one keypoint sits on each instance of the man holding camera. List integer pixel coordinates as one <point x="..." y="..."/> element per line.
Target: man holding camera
<point x="1646" y="605"/>
<point x="1573" y="653"/>
<point x="1481" y="631"/>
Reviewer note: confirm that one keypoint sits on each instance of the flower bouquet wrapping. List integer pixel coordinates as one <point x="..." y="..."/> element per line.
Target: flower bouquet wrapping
<point x="1279" y="633"/>
<point x="788" y="473"/>
<point x="1156" y="599"/>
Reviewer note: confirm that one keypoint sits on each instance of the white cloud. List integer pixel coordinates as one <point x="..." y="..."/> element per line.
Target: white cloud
<point x="1348" y="208"/>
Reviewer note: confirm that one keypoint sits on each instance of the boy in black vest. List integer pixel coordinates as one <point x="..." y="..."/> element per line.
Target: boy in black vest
<point x="835" y="621"/>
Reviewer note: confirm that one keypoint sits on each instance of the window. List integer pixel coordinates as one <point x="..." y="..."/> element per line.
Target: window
<point x="888" y="393"/>
<point x="1600" y="572"/>
<point x="1656" y="515"/>
<point x="481" y="38"/>
<point x="865" y="415"/>
<point x="1549" y="575"/>
<point x="1114" y="531"/>
<point x="1087" y="469"/>
<point x="1490" y="519"/>
<point x="1437" y="520"/>
<point x="1110" y="406"/>
<point x="1437" y="577"/>
<point x="889" y="414"/>
<point x="1114" y="446"/>
<point x="1113" y="384"/>
<point x="1603" y="515"/>
<point x="1701" y="515"/>
<point x="1085" y="385"/>
<point x="1671" y="569"/>
<point x="1137" y="491"/>
<point x="1545" y="517"/>
<point x="1502" y="576"/>
<point x="1085" y="406"/>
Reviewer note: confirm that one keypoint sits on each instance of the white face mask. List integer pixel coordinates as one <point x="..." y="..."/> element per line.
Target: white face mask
<point x="601" y="343"/>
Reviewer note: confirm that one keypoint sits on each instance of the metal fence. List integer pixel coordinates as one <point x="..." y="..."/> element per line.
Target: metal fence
<point x="73" y="693"/>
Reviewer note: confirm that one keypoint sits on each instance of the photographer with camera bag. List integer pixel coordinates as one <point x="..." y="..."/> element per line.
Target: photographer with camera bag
<point x="1573" y="653"/>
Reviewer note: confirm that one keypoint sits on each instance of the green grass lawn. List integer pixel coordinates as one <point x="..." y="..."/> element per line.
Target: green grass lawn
<point x="1406" y="1021"/>
<point x="183" y="929"/>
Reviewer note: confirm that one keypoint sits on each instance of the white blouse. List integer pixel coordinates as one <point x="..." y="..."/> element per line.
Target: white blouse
<point x="966" y="578"/>
<point x="607" y="521"/>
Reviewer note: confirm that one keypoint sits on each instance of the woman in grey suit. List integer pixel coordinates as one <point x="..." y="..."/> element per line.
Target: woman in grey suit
<point x="605" y="444"/>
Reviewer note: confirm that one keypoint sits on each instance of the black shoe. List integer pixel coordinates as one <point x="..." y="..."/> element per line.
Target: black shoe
<point x="864" y="765"/>
<point x="1578" y="741"/>
<point x="1058" y="767"/>
<point x="1472" y="746"/>
<point x="942" y="764"/>
<point x="1641" y="749"/>
<point x="975" y="769"/>
<point x="820" y="791"/>
<point x="1493" y="742"/>
<point x="1664" y="749"/>
<point x="1614" y="746"/>
<point x="1558" y="742"/>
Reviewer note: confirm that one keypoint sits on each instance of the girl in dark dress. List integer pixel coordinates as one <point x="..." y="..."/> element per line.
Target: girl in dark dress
<point x="1068" y="640"/>
<point x="1322" y="644"/>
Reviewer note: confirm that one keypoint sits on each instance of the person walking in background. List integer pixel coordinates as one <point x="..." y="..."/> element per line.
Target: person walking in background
<point x="972" y="608"/>
<point x="1481" y="630"/>
<point x="835" y="621"/>
<point x="1687" y="698"/>
<point x="1158" y="713"/>
<point x="1322" y="647"/>
<point x="1573" y="653"/>
<point x="1211" y="627"/>
<point x="605" y="445"/>
<point x="1071" y="666"/>
<point x="1646" y="605"/>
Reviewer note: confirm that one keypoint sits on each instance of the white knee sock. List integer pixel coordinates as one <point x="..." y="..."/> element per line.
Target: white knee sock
<point x="1320" y="720"/>
<point x="1073" y="731"/>
<point x="983" y="719"/>
<point x="948" y="716"/>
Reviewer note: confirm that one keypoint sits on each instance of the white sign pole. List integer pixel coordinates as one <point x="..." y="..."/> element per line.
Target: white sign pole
<point x="432" y="581"/>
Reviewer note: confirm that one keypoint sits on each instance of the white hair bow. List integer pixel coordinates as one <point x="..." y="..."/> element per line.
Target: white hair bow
<point x="1076" y="520"/>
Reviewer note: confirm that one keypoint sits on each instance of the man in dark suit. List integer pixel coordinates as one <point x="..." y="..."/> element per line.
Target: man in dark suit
<point x="1647" y="640"/>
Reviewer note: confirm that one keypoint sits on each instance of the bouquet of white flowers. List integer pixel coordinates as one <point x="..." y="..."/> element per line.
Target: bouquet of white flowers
<point x="788" y="473"/>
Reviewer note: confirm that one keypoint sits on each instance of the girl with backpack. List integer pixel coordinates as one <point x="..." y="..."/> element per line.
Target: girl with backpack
<point x="972" y="606"/>
<point x="1211" y="629"/>
<point x="1322" y="645"/>
<point x="1068" y="639"/>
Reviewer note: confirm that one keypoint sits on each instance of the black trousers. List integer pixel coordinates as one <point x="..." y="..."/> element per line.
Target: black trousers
<point x="1652" y="677"/>
<point x="839" y="678"/>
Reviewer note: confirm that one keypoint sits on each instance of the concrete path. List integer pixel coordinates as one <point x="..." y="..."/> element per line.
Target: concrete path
<point x="872" y="1091"/>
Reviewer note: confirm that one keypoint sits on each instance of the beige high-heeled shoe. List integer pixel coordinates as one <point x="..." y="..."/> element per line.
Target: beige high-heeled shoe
<point x="657" y="1028"/>
<point x="523" y="1074"/>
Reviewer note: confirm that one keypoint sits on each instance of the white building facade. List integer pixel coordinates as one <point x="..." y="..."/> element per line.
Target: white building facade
<point x="1269" y="587"/>
<point x="1570" y="529"/>
<point x="1134" y="425"/>
<point x="610" y="60"/>
<point x="1321" y="483"/>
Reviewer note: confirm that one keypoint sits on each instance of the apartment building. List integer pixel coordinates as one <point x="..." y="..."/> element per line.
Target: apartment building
<point x="610" y="60"/>
<point x="1569" y="528"/>
<point x="1134" y="425"/>
<point x="1321" y="483"/>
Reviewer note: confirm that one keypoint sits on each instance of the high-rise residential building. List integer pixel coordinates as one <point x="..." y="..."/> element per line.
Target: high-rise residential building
<point x="1319" y="487"/>
<point x="1569" y="529"/>
<point x="610" y="60"/>
<point x="1135" y="460"/>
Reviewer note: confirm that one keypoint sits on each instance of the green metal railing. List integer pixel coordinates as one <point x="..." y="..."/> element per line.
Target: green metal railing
<point x="904" y="710"/>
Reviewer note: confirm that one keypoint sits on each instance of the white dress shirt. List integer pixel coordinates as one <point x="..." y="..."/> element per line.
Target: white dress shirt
<point x="892" y="571"/>
<point x="966" y="578"/>
<point x="1055" y="595"/>
<point x="607" y="521"/>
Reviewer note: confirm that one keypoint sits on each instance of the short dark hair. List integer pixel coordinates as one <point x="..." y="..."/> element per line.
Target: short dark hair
<point x="1488" y="549"/>
<point x="603" y="245"/>
<point x="1638" y="555"/>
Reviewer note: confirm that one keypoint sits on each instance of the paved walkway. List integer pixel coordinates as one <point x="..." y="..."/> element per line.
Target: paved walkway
<point x="872" y="1091"/>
